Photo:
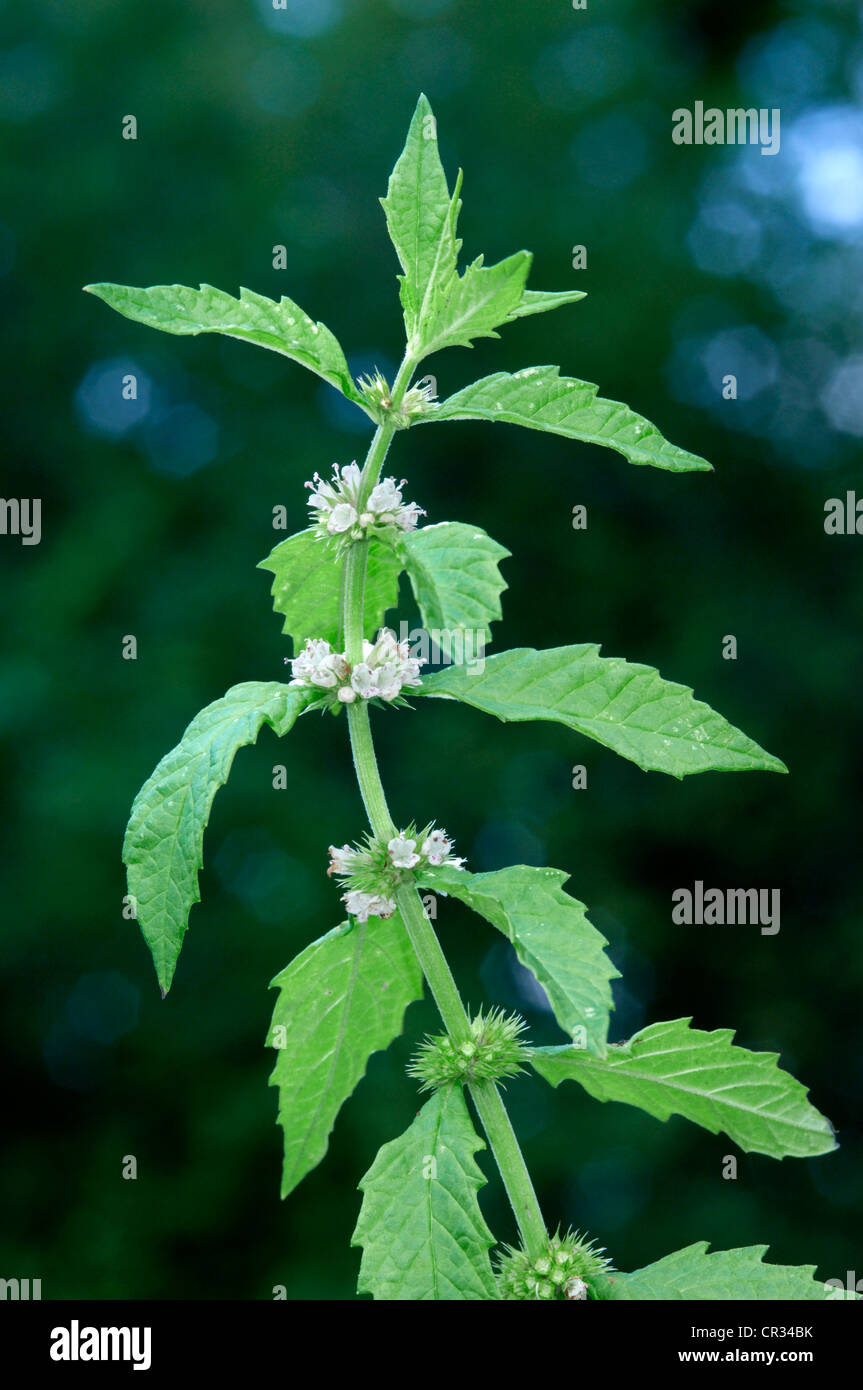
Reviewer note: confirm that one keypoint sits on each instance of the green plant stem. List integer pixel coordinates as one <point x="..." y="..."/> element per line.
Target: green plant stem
<point x="485" y="1094"/>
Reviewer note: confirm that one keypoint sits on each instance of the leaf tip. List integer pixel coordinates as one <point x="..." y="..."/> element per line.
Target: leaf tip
<point x="422" y="110"/>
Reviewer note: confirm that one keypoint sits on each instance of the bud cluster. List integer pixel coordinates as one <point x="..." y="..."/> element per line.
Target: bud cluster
<point x="569" y="1268"/>
<point x="372" y="872"/>
<point x="493" y="1051"/>
<point x="386" y="667"/>
<point x="377" y="395"/>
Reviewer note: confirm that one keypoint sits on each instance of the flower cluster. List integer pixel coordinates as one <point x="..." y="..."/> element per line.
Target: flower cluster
<point x="493" y="1051"/>
<point x="372" y="872"/>
<point x="339" y="514"/>
<point x="386" y="667"/>
<point x="377" y="395"/>
<point x="570" y="1267"/>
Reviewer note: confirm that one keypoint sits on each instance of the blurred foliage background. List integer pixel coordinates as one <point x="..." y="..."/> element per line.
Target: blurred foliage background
<point x="259" y="127"/>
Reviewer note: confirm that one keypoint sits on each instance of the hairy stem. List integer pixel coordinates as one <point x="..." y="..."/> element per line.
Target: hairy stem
<point x="485" y="1094"/>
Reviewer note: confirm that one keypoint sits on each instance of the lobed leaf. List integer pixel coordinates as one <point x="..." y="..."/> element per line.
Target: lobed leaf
<point x="453" y="569"/>
<point x="306" y="586"/>
<point x="539" y="301"/>
<point x="443" y="308"/>
<point x="342" y="998"/>
<point x="163" y="848"/>
<point x="283" y="327"/>
<point x="693" y="1274"/>
<point x="420" y="1226"/>
<point x="541" y="399"/>
<point x="472" y="305"/>
<point x="552" y="937"/>
<point x="673" y="1069"/>
<point x="655" y="723"/>
<point x="421" y="218"/>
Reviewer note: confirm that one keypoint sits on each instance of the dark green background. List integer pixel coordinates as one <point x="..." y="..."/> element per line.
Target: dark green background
<point x="256" y="129"/>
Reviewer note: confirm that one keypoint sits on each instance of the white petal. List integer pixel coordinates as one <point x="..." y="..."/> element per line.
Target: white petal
<point x="361" y="679"/>
<point x="385" y="497"/>
<point x="342" y="518"/>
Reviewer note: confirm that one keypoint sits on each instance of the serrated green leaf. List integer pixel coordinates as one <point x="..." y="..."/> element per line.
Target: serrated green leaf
<point x="673" y="1069"/>
<point x="443" y="308"/>
<point x="283" y="327"/>
<point x="163" y="848"/>
<point x="655" y="723"/>
<point x="453" y="569"/>
<point x="541" y="399"/>
<point x="472" y="305"/>
<point x="420" y="1226"/>
<point x="693" y="1274"/>
<point x="306" y="586"/>
<point x="539" y="301"/>
<point x="421" y="218"/>
<point x="343" y="998"/>
<point x="551" y="935"/>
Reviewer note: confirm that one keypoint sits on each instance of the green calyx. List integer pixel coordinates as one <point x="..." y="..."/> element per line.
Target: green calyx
<point x="378" y="399"/>
<point x="494" y="1051"/>
<point x="570" y="1268"/>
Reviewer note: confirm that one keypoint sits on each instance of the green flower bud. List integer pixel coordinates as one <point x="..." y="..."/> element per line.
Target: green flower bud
<point x="377" y="395"/>
<point x="571" y="1268"/>
<point x="493" y="1051"/>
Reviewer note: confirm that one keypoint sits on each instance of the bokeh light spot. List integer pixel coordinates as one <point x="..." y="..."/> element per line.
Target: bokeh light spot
<point x="303" y="19"/>
<point x="100" y="397"/>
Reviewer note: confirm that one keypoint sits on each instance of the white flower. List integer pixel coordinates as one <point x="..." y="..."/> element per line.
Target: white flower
<point x="342" y="861"/>
<point x="317" y="664"/>
<point x="361" y="681"/>
<point x="382" y="907"/>
<point x="324" y="495"/>
<point x="365" y="905"/>
<point x="389" y="683"/>
<point x="401" y="852"/>
<point x="334" y="502"/>
<point x="371" y="872"/>
<point x="392" y="664"/>
<point x="357" y="904"/>
<point x="335" y="505"/>
<point x="385" y="496"/>
<point x="575" y="1288"/>
<point x="341" y="518"/>
<point x="436" y="848"/>
<point x="408" y="517"/>
<point x="387" y="505"/>
<point x="349" y="479"/>
<point x="386" y="667"/>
